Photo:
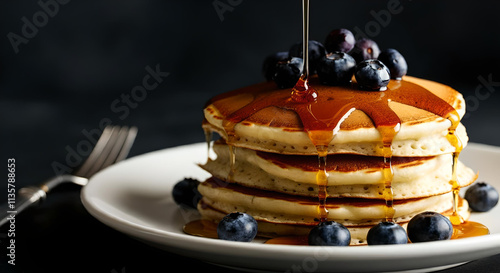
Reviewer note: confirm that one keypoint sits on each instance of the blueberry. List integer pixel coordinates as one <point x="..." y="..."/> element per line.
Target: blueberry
<point x="288" y="72"/>
<point x="481" y="197"/>
<point x="329" y="233"/>
<point x="395" y="62"/>
<point x="336" y="68"/>
<point x="269" y="64"/>
<point x="237" y="226"/>
<point x="186" y="193"/>
<point x="372" y="75"/>
<point x="429" y="226"/>
<point x="316" y="52"/>
<point x="340" y="40"/>
<point x="387" y="233"/>
<point x="365" y="49"/>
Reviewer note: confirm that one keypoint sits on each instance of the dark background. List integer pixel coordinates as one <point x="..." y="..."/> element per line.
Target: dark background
<point x="85" y="56"/>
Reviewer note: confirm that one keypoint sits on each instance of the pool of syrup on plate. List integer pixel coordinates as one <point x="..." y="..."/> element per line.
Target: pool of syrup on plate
<point x="208" y="229"/>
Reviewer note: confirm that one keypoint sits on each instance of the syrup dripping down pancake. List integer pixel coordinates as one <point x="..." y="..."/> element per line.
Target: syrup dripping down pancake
<point x="280" y="130"/>
<point x="349" y="175"/>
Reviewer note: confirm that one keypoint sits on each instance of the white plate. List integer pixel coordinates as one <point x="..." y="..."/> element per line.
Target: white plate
<point x="134" y="197"/>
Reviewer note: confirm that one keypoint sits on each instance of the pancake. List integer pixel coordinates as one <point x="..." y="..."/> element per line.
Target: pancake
<point x="295" y="215"/>
<point x="349" y="175"/>
<point x="281" y="130"/>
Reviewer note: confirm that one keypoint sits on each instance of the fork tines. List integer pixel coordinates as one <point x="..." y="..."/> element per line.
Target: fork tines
<point x="113" y="146"/>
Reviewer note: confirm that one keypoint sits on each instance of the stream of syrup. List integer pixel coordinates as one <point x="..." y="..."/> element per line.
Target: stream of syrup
<point x="454" y="118"/>
<point x="321" y="111"/>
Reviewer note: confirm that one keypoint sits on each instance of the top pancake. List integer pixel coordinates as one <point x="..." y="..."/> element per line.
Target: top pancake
<point x="281" y="130"/>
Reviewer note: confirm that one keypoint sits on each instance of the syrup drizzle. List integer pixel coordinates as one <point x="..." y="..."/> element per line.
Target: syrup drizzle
<point x="454" y="118"/>
<point x="322" y="181"/>
<point x="231" y="139"/>
<point x="305" y="38"/>
<point x="208" y="139"/>
<point x="388" y="134"/>
<point x="303" y="93"/>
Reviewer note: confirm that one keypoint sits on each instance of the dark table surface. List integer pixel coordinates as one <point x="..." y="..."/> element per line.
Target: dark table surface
<point x="86" y="58"/>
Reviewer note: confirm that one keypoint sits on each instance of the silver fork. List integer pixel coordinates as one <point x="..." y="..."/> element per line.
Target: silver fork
<point x="113" y="146"/>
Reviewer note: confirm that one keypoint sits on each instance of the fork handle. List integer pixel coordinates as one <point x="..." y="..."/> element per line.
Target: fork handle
<point x="33" y="195"/>
<point x="25" y="198"/>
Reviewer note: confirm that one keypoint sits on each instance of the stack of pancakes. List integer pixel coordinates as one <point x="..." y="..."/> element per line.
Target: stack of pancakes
<point x="267" y="165"/>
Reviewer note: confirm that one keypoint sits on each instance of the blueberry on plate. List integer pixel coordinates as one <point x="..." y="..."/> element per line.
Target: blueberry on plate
<point x="372" y="75"/>
<point x="387" y="233"/>
<point x="481" y="197"/>
<point x="429" y="226"/>
<point x="329" y="233"/>
<point x="269" y="64"/>
<point x="340" y="40"/>
<point x="395" y="62"/>
<point x="186" y="194"/>
<point x="237" y="226"/>
<point x="336" y="68"/>
<point x="316" y="52"/>
<point x="288" y="72"/>
<point x="365" y="49"/>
